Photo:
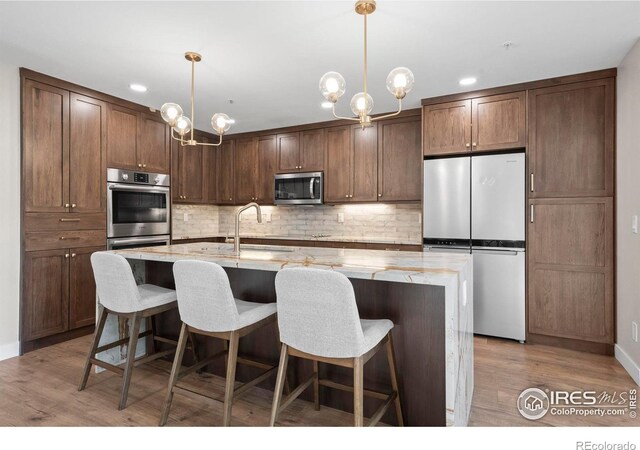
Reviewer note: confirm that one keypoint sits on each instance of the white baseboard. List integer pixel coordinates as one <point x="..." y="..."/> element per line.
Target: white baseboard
<point x="628" y="364"/>
<point x="9" y="350"/>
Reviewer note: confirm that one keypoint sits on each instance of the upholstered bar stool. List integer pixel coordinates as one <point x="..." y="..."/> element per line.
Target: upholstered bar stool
<point x="207" y="307"/>
<point x="119" y="295"/>
<point x="319" y="321"/>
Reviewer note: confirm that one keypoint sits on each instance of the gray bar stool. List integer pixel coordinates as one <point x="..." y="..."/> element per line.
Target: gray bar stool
<point x="207" y="307"/>
<point x="119" y="295"/>
<point x="319" y="321"/>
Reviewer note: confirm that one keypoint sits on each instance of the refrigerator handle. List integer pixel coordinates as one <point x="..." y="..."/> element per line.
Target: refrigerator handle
<point x="531" y="184"/>
<point x="531" y="214"/>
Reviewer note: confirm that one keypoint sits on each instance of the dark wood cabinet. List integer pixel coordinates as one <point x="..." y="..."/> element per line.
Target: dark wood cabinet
<point x="447" y="128"/>
<point x="246" y="170"/>
<point x="45" y="137"/>
<point x="288" y="152"/>
<point x="212" y="174"/>
<point x="226" y="172"/>
<point x="137" y="140"/>
<point x="337" y="174"/>
<point x="571" y="278"/>
<point x="82" y="288"/>
<point x="190" y="172"/>
<point x="399" y="160"/>
<point x="267" y="168"/>
<point x="499" y="122"/>
<point x="572" y="139"/>
<point x="302" y="151"/>
<point x="364" y="163"/>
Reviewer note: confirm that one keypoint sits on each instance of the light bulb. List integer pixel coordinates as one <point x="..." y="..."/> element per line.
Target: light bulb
<point x="332" y="86"/>
<point x="182" y="125"/>
<point x="220" y="123"/>
<point x="400" y="82"/>
<point x="361" y="105"/>
<point x="171" y="112"/>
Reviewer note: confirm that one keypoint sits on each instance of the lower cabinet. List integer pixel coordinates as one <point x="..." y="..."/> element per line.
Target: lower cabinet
<point x="571" y="273"/>
<point x="59" y="292"/>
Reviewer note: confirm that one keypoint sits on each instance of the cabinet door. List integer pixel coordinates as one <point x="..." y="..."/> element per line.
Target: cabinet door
<point x="267" y="162"/>
<point x="364" y="187"/>
<point x="212" y="170"/>
<point x="571" y="139"/>
<point x="45" y="155"/>
<point x="246" y="170"/>
<point x="399" y="160"/>
<point x="192" y="172"/>
<point x="337" y="173"/>
<point x="87" y="154"/>
<point x="176" y="179"/>
<point x="82" y="288"/>
<point x="122" y="137"/>
<point x="153" y="144"/>
<point x="45" y="305"/>
<point x="498" y="122"/>
<point x="226" y="173"/>
<point x="447" y="128"/>
<point x="571" y="268"/>
<point x="312" y="147"/>
<point x="288" y="152"/>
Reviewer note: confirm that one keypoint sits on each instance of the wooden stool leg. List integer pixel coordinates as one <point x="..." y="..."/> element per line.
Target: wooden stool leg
<point x="231" y="378"/>
<point x="391" y="357"/>
<point x="358" y="392"/>
<point x="280" y="380"/>
<point x="95" y="343"/>
<point x="134" y="330"/>
<point x="192" y="341"/>
<point x="175" y="372"/>
<point x="316" y="386"/>
<point x="151" y="342"/>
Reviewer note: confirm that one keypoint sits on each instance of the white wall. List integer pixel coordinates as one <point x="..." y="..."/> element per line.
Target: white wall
<point x="10" y="212"/>
<point x="628" y="204"/>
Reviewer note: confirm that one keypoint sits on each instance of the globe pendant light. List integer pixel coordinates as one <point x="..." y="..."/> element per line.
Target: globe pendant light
<point x="399" y="81"/>
<point x="172" y="114"/>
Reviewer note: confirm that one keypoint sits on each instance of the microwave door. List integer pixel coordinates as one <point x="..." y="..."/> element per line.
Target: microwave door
<point x="301" y="189"/>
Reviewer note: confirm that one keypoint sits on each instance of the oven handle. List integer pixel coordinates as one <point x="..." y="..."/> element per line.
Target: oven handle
<point x="130" y="187"/>
<point x="136" y="240"/>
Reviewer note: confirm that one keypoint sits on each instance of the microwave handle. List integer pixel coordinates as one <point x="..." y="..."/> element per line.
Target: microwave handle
<point x="311" y="187"/>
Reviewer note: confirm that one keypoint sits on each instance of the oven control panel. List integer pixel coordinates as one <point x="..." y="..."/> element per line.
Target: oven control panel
<point x="141" y="177"/>
<point x="131" y="177"/>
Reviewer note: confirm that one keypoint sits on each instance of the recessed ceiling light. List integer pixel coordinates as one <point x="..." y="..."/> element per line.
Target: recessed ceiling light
<point x="327" y="105"/>
<point x="138" y="87"/>
<point x="467" y="81"/>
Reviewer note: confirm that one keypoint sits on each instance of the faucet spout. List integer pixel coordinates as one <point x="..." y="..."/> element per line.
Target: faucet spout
<point x="236" y="238"/>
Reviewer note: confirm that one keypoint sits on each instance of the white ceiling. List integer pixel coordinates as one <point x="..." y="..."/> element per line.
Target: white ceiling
<point x="268" y="56"/>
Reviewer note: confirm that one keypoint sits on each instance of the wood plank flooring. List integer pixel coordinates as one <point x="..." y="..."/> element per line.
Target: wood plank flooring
<point x="40" y="389"/>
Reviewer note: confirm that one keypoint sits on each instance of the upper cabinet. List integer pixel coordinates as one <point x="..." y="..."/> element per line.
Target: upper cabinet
<point x="226" y="170"/>
<point x="496" y="122"/>
<point x="137" y="141"/>
<point x="337" y="173"/>
<point x="301" y="152"/>
<point x="267" y="161"/>
<point x="246" y="170"/>
<point x="190" y="171"/>
<point x="571" y="139"/>
<point x="399" y="160"/>
<point x="63" y="150"/>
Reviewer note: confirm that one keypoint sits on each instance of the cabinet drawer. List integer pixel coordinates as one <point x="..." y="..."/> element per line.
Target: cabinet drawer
<point x="51" y="240"/>
<point x="64" y="221"/>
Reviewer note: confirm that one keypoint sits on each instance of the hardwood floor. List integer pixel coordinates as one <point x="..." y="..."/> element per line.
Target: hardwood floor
<point x="40" y="389"/>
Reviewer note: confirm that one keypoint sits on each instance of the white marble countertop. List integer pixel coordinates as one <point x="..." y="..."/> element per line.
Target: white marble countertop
<point x="397" y="266"/>
<point x="331" y="238"/>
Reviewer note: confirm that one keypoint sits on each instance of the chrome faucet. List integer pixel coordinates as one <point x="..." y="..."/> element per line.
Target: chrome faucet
<point x="236" y="239"/>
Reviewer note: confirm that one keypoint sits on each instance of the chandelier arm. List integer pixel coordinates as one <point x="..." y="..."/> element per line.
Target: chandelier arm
<point x="341" y="117"/>
<point x="179" y="139"/>
<point x="386" y="116"/>
<point x="211" y="144"/>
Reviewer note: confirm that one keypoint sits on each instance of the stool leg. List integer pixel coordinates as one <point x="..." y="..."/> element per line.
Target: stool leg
<point x="280" y="380"/>
<point x="391" y="357"/>
<point x="175" y="372"/>
<point x="134" y="330"/>
<point x="231" y="378"/>
<point x="151" y="342"/>
<point x="95" y="343"/>
<point x="358" y="392"/>
<point x="316" y="386"/>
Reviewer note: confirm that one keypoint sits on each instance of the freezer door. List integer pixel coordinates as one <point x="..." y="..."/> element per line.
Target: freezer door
<point x="498" y="197"/>
<point x="498" y="293"/>
<point x="447" y="198"/>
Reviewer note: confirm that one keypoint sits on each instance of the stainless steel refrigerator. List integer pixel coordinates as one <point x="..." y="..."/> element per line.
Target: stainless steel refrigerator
<point x="476" y="204"/>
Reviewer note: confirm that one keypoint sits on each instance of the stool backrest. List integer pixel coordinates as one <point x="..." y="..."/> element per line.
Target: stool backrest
<point x="317" y="312"/>
<point x="205" y="300"/>
<point x="115" y="285"/>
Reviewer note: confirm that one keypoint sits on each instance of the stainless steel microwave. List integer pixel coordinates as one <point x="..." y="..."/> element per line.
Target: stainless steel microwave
<point x="298" y="189"/>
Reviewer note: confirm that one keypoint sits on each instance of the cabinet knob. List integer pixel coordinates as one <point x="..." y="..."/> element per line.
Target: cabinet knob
<point x="467" y="145"/>
<point x="230" y="198"/>
<point x="139" y="165"/>
<point x="66" y="205"/>
<point x="474" y="144"/>
<point x="66" y="255"/>
<point x="347" y="196"/>
<point x="73" y="205"/>
<point x="144" y="165"/>
<point x="73" y="255"/>
<point x="379" y="195"/>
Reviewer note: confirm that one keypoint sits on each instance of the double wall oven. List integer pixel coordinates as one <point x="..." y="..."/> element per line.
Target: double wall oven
<point x="138" y="209"/>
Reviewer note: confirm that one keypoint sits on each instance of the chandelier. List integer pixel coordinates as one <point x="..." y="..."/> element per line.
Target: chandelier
<point x="399" y="81"/>
<point x="172" y="114"/>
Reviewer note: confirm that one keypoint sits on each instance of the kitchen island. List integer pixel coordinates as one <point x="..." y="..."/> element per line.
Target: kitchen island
<point x="428" y="296"/>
